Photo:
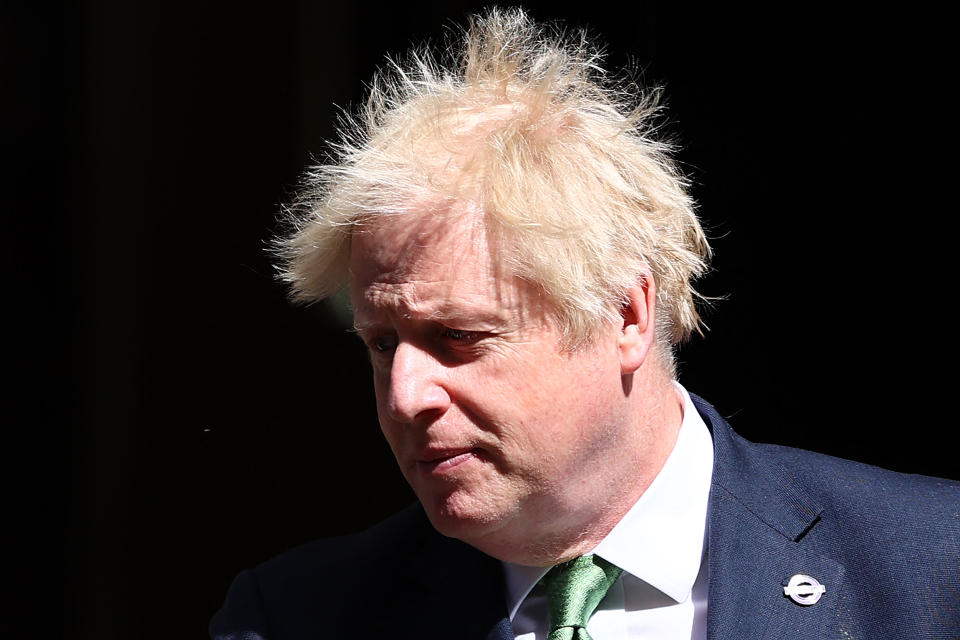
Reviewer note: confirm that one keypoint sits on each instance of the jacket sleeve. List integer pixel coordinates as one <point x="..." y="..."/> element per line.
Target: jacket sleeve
<point x="241" y="617"/>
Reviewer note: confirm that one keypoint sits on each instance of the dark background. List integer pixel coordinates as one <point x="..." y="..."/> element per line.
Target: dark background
<point x="173" y="419"/>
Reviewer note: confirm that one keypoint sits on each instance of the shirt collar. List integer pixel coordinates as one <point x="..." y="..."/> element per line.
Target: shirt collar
<point x="661" y="538"/>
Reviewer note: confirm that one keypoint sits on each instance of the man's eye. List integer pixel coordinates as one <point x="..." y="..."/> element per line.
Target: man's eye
<point x="383" y="344"/>
<point x="459" y="335"/>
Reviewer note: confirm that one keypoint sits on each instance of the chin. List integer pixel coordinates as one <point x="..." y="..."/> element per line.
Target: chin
<point x="464" y="517"/>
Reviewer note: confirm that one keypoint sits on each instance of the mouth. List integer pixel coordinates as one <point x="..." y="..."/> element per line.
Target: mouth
<point x="444" y="461"/>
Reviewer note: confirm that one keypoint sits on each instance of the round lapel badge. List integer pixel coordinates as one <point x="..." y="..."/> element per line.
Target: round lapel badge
<point x="804" y="590"/>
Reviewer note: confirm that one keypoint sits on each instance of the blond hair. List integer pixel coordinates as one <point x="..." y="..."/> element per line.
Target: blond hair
<point x="521" y="119"/>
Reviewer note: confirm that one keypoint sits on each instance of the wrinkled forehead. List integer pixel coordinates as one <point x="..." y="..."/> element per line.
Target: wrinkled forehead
<point x="446" y="253"/>
<point x="443" y="238"/>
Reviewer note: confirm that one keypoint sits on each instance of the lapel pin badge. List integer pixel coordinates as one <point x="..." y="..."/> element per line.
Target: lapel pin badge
<point x="804" y="590"/>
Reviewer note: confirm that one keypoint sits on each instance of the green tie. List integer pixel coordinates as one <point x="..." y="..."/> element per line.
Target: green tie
<point x="574" y="590"/>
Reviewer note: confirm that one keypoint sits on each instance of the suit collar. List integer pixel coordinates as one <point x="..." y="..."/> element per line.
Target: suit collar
<point x="759" y="515"/>
<point x="762" y="485"/>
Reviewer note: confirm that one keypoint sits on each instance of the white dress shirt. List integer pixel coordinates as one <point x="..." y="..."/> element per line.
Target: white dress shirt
<point x="661" y="545"/>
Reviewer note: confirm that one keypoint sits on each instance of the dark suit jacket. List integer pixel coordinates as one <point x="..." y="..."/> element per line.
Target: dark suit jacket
<point x="884" y="544"/>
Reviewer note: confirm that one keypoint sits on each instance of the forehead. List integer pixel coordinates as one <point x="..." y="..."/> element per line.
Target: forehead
<point x="399" y="246"/>
<point x="432" y="264"/>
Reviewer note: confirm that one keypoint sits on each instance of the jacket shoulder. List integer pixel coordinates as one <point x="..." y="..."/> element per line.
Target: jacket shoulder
<point x="843" y="491"/>
<point x="891" y="539"/>
<point x="897" y="536"/>
<point x="380" y="545"/>
<point x="871" y="496"/>
<point x="292" y="594"/>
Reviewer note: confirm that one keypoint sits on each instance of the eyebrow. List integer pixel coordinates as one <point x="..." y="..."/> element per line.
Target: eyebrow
<point x="446" y="314"/>
<point x="469" y="317"/>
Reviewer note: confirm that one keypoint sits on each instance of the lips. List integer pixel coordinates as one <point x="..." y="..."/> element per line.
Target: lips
<point x="443" y="461"/>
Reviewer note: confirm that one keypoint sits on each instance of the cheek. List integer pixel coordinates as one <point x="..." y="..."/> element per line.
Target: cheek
<point x="561" y="387"/>
<point x="574" y="404"/>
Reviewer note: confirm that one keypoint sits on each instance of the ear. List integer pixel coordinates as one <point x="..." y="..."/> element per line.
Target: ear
<point x="637" y="335"/>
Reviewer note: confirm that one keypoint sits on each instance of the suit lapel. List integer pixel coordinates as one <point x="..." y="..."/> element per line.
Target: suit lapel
<point x="759" y="515"/>
<point x="750" y="563"/>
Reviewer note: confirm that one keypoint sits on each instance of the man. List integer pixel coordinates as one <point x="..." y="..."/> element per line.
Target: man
<point x="519" y="253"/>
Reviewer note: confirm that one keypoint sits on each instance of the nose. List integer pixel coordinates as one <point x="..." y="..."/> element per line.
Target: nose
<point x="416" y="388"/>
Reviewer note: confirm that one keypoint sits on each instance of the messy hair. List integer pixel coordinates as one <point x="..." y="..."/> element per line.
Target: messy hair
<point x="521" y="119"/>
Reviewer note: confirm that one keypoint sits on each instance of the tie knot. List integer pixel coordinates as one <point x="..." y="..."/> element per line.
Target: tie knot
<point x="575" y="589"/>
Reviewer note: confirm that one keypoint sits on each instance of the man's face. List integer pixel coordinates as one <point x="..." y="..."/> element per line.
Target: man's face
<point x="500" y="432"/>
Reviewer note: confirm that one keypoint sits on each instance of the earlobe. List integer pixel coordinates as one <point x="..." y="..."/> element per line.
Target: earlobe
<point x="637" y="332"/>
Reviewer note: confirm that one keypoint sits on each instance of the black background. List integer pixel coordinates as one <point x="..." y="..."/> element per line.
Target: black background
<point x="173" y="419"/>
